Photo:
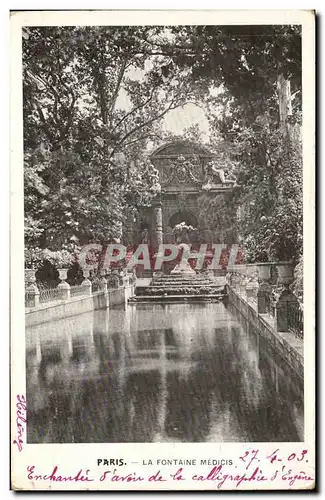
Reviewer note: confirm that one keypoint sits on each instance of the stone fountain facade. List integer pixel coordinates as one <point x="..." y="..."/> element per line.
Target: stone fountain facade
<point x="186" y="170"/>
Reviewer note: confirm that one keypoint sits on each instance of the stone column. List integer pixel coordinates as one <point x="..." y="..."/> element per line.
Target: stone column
<point x="128" y="231"/>
<point x="103" y="281"/>
<point x="64" y="287"/>
<point x="113" y="279"/>
<point x="126" y="281"/>
<point x="235" y="281"/>
<point x="282" y="309"/>
<point x="252" y="285"/>
<point x="132" y="281"/>
<point x="263" y="291"/>
<point x="243" y="285"/>
<point x="158" y="224"/>
<point x="86" y="282"/>
<point x="264" y="274"/>
<point x="31" y="289"/>
<point x="103" y="287"/>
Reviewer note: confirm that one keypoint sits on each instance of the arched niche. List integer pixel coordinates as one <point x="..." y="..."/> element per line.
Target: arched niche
<point x="183" y="216"/>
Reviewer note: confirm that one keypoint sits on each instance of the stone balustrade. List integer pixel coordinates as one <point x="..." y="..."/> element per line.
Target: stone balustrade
<point x="109" y="283"/>
<point x="288" y="344"/>
<point x="86" y="282"/>
<point x="64" y="287"/>
<point x="260" y="282"/>
<point x="31" y="291"/>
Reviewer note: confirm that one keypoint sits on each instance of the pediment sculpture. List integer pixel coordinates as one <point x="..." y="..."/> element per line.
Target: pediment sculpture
<point x="182" y="171"/>
<point x="215" y="176"/>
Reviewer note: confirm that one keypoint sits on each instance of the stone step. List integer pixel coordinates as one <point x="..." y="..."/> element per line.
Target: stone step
<point x="207" y="290"/>
<point x="181" y="288"/>
<point x="178" y="277"/>
<point x="181" y="283"/>
<point x="162" y="289"/>
<point x="194" y="284"/>
<point x="176" y="298"/>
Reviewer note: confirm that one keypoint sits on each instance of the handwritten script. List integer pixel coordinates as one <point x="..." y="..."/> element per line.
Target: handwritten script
<point x="286" y="469"/>
<point x="21" y="419"/>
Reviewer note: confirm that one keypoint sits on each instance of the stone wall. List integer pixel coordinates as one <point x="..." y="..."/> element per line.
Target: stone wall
<point x="61" y="309"/>
<point x="286" y="344"/>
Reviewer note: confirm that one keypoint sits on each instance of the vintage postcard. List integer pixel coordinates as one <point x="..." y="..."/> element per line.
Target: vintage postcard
<point x="162" y="250"/>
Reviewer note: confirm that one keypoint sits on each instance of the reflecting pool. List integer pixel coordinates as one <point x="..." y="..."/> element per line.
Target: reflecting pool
<point x="158" y="373"/>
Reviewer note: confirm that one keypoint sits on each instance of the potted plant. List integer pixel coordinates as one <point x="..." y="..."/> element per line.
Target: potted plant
<point x="61" y="259"/>
<point x="33" y="259"/>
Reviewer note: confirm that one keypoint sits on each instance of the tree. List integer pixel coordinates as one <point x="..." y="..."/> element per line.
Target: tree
<point x="252" y="66"/>
<point x="94" y="97"/>
<point x="270" y="196"/>
<point x="91" y="97"/>
<point x="245" y="60"/>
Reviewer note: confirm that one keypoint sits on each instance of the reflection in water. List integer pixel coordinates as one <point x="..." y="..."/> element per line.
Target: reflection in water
<point x="161" y="373"/>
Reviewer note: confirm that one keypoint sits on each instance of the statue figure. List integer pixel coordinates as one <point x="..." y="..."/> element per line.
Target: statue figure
<point x="230" y="177"/>
<point x="183" y="267"/>
<point x="181" y="232"/>
<point x="214" y="175"/>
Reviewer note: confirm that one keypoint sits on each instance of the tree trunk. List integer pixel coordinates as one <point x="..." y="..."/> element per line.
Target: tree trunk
<point x="285" y="108"/>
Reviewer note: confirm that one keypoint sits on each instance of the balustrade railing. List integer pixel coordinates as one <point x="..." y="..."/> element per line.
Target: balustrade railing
<point x="95" y="286"/>
<point x="273" y="293"/>
<point x="77" y="290"/>
<point x="49" y="295"/>
<point x="39" y="293"/>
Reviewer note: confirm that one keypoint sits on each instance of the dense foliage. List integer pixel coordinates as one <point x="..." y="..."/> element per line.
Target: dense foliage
<point x="265" y="208"/>
<point x="94" y="100"/>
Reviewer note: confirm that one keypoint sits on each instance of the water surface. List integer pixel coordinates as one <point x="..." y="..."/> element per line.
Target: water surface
<point x="158" y="373"/>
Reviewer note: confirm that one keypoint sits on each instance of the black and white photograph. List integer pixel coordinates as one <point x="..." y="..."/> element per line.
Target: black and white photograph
<point x="164" y="255"/>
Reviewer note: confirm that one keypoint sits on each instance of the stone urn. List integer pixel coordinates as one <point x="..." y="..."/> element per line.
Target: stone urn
<point x="285" y="270"/>
<point x="30" y="276"/>
<point x="264" y="271"/>
<point x="31" y="288"/>
<point x="64" y="287"/>
<point x="103" y="272"/>
<point x="63" y="274"/>
<point x="252" y="290"/>
<point x="86" y="273"/>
